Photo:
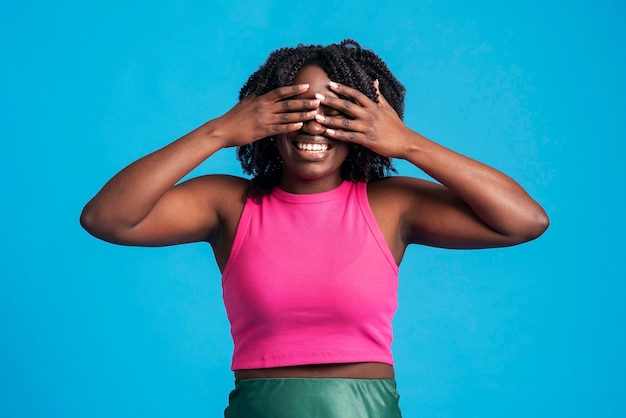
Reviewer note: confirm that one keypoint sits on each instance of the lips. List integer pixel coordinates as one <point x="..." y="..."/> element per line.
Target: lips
<point x="312" y="146"/>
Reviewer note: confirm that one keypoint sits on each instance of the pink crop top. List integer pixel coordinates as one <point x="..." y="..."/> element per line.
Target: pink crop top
<point x="310" y="280"/>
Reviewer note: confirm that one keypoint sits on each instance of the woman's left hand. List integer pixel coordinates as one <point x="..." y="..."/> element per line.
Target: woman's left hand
<point x="362" y="121"/>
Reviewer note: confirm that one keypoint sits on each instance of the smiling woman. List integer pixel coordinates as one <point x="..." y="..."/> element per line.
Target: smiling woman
<point x="346" y="63"/>
<point x="312" y="161"/>
<point x="309" y="249"/>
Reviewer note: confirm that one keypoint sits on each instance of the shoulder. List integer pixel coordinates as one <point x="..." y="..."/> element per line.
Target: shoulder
<point x="407" y="205"/>
<point x="224" y="185"/>
<point x="218" y="197"/>
<point x="220" y="191"/>
<point x="399" y="194"/>
<point x="392" y="201"/>
<point x="400" y="190"/>
<point x="221" y="180"/>
<point x="213" y="203"/>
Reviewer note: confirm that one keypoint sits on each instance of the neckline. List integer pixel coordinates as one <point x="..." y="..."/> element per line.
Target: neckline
<point x="311" y="197"/>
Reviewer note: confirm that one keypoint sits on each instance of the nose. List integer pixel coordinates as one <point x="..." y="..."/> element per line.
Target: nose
<point x="313" y="127"/>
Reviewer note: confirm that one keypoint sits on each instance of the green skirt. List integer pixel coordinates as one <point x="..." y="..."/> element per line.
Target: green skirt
<point x="313" y="398"/>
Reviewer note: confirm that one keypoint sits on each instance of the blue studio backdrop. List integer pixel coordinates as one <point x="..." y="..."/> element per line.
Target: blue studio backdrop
<point x="533" y="88"/>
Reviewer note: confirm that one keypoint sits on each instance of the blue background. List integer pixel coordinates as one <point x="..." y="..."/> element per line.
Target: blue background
<point x="534" y="88"/>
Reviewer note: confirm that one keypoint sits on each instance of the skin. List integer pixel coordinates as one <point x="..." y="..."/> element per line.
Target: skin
<point x="473" y="206"/>
<point x="312" y="172"/>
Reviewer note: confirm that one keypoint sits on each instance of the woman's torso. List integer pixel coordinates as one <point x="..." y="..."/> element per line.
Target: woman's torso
<point x="388" y="222"/>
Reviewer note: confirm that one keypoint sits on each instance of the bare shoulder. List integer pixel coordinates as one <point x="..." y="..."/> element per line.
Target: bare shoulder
<point x="226" y="196"/>
<point x="395" y="198"/>
<point x="225" y="193"/>
<point x="391" y="199"/>
<point x="399" y="190"/>
<point x="222" y="181"/>
<point x="227" y="185"/>
<point x="411" y="210"/>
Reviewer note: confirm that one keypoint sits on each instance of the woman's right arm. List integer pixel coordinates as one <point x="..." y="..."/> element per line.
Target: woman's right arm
<point x="142" y="205"/>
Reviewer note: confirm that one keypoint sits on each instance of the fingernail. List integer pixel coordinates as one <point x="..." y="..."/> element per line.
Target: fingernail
<point x="303" y="86"/>
<point x="330" y="131"/>
<point x="319" y="118"/>
<point x="333" y="84"/>
<point x="320" y="96"/>
<point x="315" y="102"/>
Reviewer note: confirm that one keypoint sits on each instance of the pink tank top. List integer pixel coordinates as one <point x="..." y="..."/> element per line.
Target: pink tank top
<point x="310" y="280"/>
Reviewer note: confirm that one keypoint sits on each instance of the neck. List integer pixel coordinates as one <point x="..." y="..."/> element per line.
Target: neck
<point x="305" y="186"/>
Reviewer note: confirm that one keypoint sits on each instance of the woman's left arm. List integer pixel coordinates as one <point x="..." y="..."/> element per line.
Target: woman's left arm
<point x="474" y="206"/>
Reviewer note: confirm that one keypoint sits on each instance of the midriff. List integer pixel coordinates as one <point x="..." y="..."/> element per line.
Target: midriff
<point x="336" y="370"/>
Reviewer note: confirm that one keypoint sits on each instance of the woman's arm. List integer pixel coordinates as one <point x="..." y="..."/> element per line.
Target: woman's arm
<point x="475" y="205"/>
<point x="142" y="205"/>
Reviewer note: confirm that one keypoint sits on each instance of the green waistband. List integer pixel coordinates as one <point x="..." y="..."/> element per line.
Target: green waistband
<point x="314" y="397"/>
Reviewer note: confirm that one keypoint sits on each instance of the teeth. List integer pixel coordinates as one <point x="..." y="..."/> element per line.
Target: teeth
<point x="312" y="147"/>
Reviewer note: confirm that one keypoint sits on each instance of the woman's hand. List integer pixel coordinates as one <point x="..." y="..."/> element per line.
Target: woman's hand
<point x="374" y="125"/>
<point x="257" y="117"/>
<point x="142" y="205"/>
<point x="478" y="205"/>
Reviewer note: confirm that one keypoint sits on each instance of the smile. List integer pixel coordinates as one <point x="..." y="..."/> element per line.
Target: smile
<point x="317" y="147"/>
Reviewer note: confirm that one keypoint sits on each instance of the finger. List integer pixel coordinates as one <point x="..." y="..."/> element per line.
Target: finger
<point x="292" y="117"/>
<point x="340" y="122"/>
<point x="345" y="106"/>
<point x="353" y="94"/>
<point x="381" y="98"/>
<point x="284" y="128"/>
<point x="295" y="105"/>
<point x="340" y="134"/>
<point x="287" y="91"/>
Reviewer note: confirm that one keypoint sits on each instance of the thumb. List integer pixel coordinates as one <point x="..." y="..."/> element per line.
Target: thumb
<point x="381" y="98"/>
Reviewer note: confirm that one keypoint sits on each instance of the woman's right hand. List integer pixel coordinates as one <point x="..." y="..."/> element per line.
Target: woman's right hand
<point x="142" y="205"/>
<point x="257" y="117"/>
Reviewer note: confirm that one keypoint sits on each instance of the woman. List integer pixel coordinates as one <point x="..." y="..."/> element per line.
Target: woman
<point x="309" y="249"/>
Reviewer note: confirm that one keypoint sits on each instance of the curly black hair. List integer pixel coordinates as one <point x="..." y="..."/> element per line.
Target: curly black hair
<point x="347" y="63"/>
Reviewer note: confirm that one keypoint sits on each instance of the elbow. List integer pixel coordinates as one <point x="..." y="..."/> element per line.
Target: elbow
<point x="95" y="223"/>
<point x="523" y="226"/>
<point x="542" y="222"/>
<point x="89" y="220"/>
<point x="101" y="223"/>
<point x="537" y="223"/>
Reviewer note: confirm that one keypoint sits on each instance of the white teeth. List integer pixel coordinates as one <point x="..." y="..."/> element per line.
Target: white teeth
<point x="312" y="147"/>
